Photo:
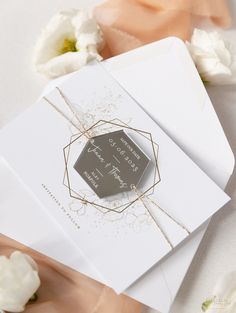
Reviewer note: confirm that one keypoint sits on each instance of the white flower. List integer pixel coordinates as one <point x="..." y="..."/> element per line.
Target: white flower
<point x="223" y="298"/>
<point x="70" y="40"/>
<point x="215" y="59"/>
<point x="19" y="280"/>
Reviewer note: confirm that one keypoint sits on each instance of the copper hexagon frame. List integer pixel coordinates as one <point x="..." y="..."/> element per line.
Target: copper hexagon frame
<point x="121" y="124"/>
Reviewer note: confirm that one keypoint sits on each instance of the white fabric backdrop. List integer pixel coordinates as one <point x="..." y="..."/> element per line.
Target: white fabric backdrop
<point x="20" y="24"/>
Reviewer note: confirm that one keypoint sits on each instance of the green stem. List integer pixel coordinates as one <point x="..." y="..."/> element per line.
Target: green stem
<point x="206" y="304"/>
<point x="34" y="298"/>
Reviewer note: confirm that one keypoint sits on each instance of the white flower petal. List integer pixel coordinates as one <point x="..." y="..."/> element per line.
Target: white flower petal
<point x="64" y="64"/>
<point x="89" y="34"/>
<point x="214" y="58"/>
<point x="19" y="280"/>
<point x="226" y="285"/>
<point x="73" y="26"/>
<point x="200" y="38"/>
<point x="78" y="20"/>
<point x="51" y="40"/>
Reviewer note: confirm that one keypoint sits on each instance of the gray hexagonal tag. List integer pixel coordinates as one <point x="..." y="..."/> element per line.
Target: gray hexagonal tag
<point x="111" y="163"/>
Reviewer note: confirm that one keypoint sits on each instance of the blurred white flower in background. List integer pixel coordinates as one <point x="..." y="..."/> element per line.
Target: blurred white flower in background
<point x="19" y="280"/>
<point x="69" y="41"/>
<point x="215" y="59"/>
<point x="223" y="298"/>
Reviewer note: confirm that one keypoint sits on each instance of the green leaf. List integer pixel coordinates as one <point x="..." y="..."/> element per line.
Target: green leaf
<point x="206" y="304"/>
<point x="34" y="298"/>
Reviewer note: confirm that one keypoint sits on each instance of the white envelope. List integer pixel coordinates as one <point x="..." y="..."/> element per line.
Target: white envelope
<point x="108" y="239"/>
<point x="200" y="135"/>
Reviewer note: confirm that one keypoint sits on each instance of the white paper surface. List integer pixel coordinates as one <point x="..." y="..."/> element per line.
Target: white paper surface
<point x="209" y="149"/>
<point x="165" y="278"/>
<point x="109" y="242"/>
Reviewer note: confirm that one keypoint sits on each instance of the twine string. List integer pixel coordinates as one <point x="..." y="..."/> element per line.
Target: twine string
<point x="141" y="197"/>
<point x="81" y="127"/>
<point x="170" y="216"/>
<point x="67" y="102"/>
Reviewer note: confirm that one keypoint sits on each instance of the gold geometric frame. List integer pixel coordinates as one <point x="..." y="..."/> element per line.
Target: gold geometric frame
<point x="145" y="134"/>
<point x="140" y="196"/>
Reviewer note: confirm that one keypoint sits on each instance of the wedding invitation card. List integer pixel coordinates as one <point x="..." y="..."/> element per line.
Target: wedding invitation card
<point x="117" y="185"/>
